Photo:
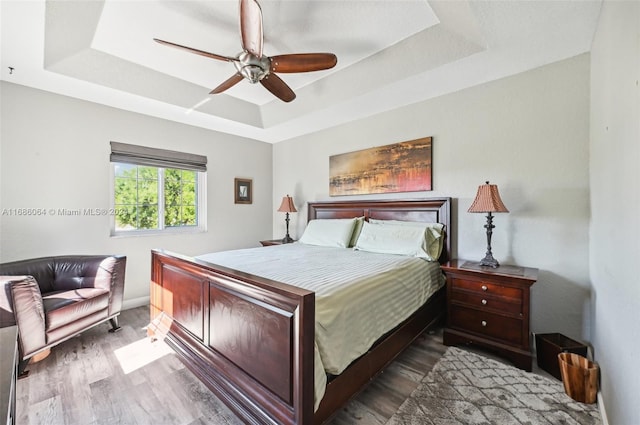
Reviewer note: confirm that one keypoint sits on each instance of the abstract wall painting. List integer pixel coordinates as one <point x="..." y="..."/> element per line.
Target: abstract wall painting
<point x="400" y="167"/>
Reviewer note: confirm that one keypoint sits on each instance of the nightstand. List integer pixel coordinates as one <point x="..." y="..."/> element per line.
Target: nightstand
<point x="489" y="308"/>
<point x="272" y="242"/>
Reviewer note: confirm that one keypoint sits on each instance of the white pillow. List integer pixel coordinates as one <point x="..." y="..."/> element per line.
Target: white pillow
<point x="329" y="232"/>
<point x="433" y="240"/>
<point x="357" y="227"/>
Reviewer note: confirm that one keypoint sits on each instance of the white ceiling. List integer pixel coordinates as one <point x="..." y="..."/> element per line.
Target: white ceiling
<point x="390" y="53"/>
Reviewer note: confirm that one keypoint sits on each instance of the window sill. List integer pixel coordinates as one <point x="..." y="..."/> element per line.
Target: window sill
<point x="156" y="232"/>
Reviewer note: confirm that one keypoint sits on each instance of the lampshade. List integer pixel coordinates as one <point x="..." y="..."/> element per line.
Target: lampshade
<point x="287" y="205"/>
<point x="487" y="200"/>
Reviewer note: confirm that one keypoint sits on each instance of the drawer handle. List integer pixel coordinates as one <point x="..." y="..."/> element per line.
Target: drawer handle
<point x="483" y="323"/>
<point x="484" y="302"/>
<point x="484" y="287"/>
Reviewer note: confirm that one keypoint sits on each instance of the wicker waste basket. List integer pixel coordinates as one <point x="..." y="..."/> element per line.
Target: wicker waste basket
<point x="579" y="376"/>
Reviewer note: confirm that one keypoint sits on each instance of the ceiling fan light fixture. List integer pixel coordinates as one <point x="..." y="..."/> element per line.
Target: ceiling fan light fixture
<point x="251" y="67"/>
<point x="253" y="73"/>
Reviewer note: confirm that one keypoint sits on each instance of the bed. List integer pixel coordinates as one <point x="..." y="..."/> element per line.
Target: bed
<point x="252" y="340"/>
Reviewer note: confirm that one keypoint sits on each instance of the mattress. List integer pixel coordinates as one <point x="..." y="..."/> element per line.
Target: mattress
<point x="360" y="295"/>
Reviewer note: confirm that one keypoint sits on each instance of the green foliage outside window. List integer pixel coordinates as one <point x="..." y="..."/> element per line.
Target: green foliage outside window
<point x="137" y="203"/>
<point x="179" y="198"/>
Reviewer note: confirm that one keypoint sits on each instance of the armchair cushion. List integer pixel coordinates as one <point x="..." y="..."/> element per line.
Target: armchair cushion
<point x="68" y="306"/>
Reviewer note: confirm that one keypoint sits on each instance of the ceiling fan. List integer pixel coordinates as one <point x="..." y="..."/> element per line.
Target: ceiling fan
<point x="256" y="67"/>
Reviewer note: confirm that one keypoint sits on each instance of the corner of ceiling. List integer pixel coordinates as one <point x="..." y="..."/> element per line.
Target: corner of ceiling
<point x="68" y="52"/>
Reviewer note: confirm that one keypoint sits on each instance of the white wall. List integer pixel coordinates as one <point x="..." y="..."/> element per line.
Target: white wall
<point x="55" y="154"/>
<point x="529" y="134"/>
<point x="615" y="206"/>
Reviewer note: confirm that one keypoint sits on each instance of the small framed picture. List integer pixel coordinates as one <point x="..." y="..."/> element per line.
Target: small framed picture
<point x="243" y="191"/>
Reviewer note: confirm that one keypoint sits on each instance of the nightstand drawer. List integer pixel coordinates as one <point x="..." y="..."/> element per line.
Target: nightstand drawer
<point x="487" y="288"/>
<point x="486" y="301"/>
<point x="491" y="325"/>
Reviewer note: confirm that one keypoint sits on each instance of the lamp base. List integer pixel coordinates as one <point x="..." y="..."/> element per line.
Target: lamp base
<point x="489" y="261"/>
<point x="287" y="238"/>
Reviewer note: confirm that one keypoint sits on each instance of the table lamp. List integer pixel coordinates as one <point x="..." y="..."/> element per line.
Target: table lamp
<point x="488" y="201"/>
<point x="287" y="207"/>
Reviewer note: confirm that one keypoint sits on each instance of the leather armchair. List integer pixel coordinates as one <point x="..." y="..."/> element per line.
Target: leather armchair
<point x="52" y="299"/>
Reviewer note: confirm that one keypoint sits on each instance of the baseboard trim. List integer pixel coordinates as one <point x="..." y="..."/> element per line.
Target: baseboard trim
<point x="135" y="302"/>
<point x="603" y="412"/>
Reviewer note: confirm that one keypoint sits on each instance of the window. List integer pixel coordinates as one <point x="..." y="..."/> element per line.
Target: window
<point x="148" y="197"/>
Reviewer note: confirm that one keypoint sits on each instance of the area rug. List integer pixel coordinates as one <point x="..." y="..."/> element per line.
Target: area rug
<point x="467" y="388"/>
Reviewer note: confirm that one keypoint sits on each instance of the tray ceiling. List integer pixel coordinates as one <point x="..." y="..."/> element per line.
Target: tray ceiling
<point x="390" y="53"/>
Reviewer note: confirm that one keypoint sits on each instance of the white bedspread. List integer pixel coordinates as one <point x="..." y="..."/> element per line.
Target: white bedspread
<point x="359" y="295"/>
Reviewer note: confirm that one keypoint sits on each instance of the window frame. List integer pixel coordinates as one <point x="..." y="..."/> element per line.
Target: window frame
<point x="201" y="202"/>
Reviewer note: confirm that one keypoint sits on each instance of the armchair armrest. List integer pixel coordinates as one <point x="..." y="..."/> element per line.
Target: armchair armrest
<point x="110" y="275"/>
<point x="7" y="318"/>
<point x="28" y="311"/>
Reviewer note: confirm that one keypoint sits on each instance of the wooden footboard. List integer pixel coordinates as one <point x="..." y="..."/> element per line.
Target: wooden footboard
<point x="250" y="340"/>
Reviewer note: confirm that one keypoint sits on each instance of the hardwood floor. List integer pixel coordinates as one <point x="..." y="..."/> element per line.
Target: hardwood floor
<point x="123" y="378"/>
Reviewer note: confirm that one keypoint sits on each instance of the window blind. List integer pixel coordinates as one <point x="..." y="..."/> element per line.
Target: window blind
<point x="143" y="155"/>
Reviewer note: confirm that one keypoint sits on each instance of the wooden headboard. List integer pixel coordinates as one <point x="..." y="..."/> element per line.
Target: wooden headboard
<point x="430" y="210"/>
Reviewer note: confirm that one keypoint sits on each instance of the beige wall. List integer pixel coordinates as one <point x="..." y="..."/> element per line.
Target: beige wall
<point x="54" y="153"/>
<point x="615" y="206"/>
<point x="529" y="134"/>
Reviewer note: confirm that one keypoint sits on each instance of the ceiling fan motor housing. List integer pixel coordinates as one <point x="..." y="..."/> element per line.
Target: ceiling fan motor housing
<point x="251" y="67"/>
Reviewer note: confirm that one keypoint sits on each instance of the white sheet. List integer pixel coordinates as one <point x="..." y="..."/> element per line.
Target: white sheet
<point x="359" y="295"/>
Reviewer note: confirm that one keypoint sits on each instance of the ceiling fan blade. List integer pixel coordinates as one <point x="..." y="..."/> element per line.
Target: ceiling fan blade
<point x="232" y="81"/>
<point x="279" y="88"/>
<point x="251" y="27"/>
<point x="303" y="62"/>
<point x="196" y="51"/>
